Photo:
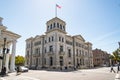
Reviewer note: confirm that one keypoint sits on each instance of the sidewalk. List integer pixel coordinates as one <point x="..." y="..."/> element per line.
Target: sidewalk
<point x="9" y="74"/>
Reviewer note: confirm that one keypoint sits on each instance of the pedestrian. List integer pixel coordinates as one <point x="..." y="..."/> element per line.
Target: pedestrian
<point x="4" y="70"/>
<point x="17" y="70"/>
<point x="118" y="68"/>
<point x="112" y="69"/>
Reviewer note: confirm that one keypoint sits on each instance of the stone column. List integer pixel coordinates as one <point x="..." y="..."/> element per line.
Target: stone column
<point x="7" y="63"/>
<point x="12" y="62"/>
<point x="7" y="59"/>
<point x="0" y="59"/>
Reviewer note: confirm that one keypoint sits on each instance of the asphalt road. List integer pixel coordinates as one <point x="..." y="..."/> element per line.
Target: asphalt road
<point x="86" y="74"/>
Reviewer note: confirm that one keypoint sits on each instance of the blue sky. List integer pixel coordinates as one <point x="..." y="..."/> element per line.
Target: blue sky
<point x="98" y="21"/>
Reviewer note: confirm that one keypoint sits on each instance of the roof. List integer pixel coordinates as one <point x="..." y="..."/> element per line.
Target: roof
<point x="79" y="37"/>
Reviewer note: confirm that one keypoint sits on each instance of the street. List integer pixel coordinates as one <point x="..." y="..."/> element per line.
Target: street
<point x="85" y="74"/>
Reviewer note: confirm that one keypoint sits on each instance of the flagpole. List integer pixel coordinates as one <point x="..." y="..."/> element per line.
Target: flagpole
<point x="55" y="11"/>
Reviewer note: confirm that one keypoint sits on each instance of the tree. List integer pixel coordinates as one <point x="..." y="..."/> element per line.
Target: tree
<point x="116" y="55"/>
<point x="19" y="60"/>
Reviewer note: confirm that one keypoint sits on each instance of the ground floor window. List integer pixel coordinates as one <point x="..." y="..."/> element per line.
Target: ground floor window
<point x="51" y="61"/>
<point x="61" y="61"/>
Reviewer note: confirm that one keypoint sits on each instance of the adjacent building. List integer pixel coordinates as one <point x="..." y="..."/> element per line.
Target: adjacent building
<point x="58" y="50"/>
<point x="8" y="42"/>
<point x="100" y="58"/>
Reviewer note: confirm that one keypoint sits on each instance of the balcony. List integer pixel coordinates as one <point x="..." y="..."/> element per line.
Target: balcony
<point x="36" y="55"/>
<point x="61" y="53"/>
<point x="50" y="53"/>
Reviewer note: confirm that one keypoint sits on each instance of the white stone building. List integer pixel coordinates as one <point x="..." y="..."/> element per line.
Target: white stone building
<point x="8" y="39"/>
<point x="57" y="50"/>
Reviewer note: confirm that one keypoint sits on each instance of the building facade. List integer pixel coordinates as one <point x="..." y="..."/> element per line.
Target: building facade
<point x="8" y="41"/>
<point x="100" y="58"/>
<point x="57" y="50"/>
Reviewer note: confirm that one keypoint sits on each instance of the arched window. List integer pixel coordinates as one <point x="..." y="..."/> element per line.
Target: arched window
<point x="54" y="25"/>
<point x="64" y="28"/>
<point x="58" y="25"/>
<point x="48" y="28"/>
<point x="51" y="26"/>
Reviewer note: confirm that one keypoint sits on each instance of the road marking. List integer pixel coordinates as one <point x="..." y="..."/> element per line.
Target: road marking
<point x="25" y="77"/>
<point x="2" y="79"/>
<point x="117" y="77"/>
<point x="22" y="78"/>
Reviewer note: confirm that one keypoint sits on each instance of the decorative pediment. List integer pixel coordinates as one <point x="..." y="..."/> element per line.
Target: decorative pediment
<point x="37" y="36"/>
<point x="80" y="37"/>
<point x="56" y="19"/>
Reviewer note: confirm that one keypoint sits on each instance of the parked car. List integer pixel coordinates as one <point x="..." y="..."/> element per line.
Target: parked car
<point x="24" y="69"/>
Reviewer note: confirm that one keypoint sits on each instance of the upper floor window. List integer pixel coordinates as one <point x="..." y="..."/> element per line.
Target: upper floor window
<point x="80" y="52"/>
<point x="51" y="26"/>
<point x="61" y="48"/>
<point x="51" y="48"/>
<point x="62" y="39"/>
<point x="27" y="53"/>
<point x="37" y="43"/>
<point x="76" y="52"/>
<point x="45" y="41"/>
<point x="59" y="38"/>
<point x="68" y="42"/>
<point x="28" y="45"/>
<point x="64" y="28"/>
<point x="52" y="38"/>
<point x="54" y="25"/>
<point x="58" y="25"/>
<point x="45" y="50"/>
<point x="36" y="51"/>
<point x="83" y="53"/>
<point x="69" y="52"/>
<point x="77" y="43"/>
<point x="49" y="39"/>
<point x="48" y="27"/>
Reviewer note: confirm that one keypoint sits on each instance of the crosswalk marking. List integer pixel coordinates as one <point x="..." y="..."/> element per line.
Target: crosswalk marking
<point x="117" y="77"/>
<point x="2" y="79"/>
<point x="22" y="78"/>
<point x="29" y="78"/>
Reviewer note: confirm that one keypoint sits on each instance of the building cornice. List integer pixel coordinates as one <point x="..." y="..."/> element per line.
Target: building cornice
<point x="56" y="30"/>
<point x="6" y="32"/>
<point x="55" y="18"/>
